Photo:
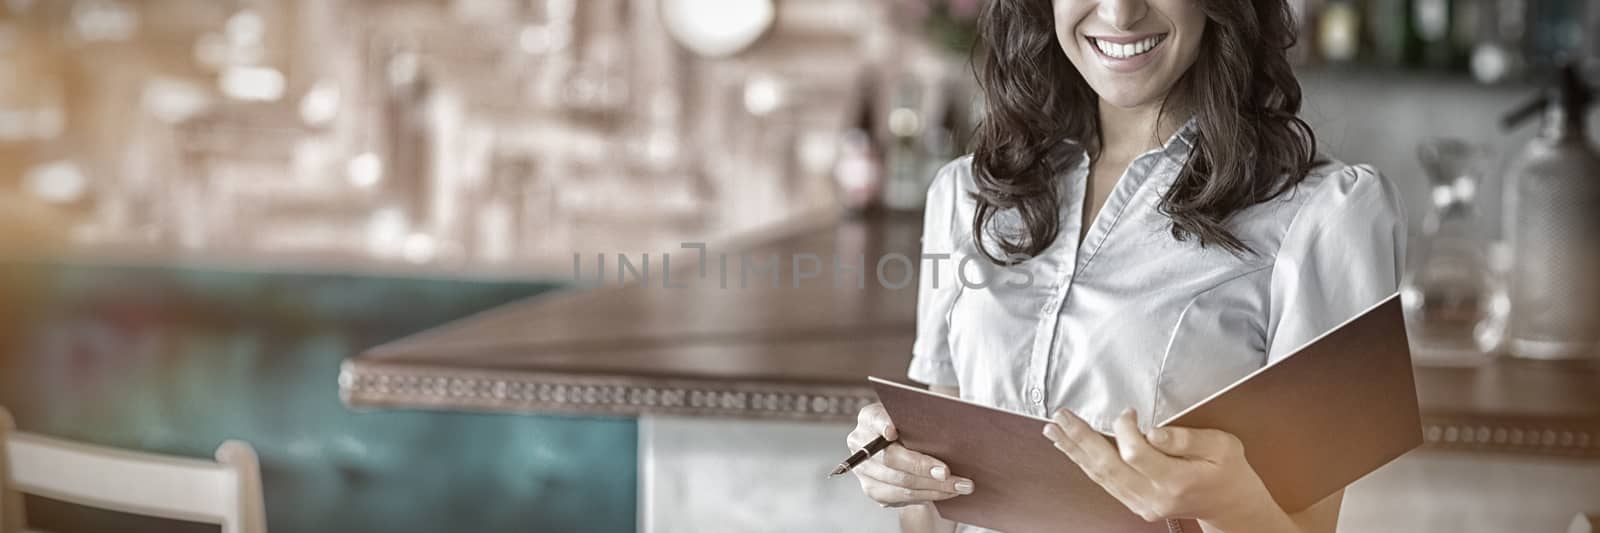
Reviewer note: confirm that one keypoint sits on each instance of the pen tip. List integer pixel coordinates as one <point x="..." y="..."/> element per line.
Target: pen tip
<point x="837" y="471"/>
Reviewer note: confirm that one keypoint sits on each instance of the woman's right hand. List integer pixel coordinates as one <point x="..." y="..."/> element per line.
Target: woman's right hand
<point x="897" y="476"/>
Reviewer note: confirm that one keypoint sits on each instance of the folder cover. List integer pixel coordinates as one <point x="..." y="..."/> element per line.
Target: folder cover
<point x="1339" y="407"/>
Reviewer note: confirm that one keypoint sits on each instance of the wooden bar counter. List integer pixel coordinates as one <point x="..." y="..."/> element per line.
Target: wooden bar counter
<point x="730" y="347"/>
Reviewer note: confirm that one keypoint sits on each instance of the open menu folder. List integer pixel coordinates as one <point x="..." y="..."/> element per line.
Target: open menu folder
<point x="1336" y="409"/>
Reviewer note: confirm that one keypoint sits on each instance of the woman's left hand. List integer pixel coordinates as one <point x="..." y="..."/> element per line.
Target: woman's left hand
<point x="1172" y="472"/>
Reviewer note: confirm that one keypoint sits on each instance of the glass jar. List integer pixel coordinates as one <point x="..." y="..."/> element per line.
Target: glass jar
<point x="1455" y="304"/>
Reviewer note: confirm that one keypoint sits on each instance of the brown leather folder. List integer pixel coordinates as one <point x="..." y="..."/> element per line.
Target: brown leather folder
<point x="1338" y="408"/>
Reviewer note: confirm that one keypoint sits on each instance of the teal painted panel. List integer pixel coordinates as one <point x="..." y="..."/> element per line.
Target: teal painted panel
<point x="175" y="360"/>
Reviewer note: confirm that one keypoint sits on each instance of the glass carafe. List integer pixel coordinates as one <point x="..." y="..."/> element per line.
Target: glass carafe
<point x="1454" y="303"/>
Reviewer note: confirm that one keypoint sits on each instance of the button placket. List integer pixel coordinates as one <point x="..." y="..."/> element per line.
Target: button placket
<point x="1039" y="356"/>
<point x="1045" y="343"/>
<point x="1066" y="256"/>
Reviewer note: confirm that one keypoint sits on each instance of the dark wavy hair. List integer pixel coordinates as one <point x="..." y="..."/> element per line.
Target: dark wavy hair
<point x="1251" y="145"/>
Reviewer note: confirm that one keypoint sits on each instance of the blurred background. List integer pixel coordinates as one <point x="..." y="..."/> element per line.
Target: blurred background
<point x="498" y="135"/>
<point x="205" y="205"/>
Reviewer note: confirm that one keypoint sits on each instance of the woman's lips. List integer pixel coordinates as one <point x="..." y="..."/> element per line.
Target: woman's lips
<point x="1126" y="54"/>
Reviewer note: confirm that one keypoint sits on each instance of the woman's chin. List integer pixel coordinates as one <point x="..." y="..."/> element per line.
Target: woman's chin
<point x="1127" y="98"/>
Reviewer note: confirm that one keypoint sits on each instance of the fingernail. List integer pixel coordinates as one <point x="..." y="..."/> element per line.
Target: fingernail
<point x="1158" y="436"/>
<point x="939" y="472"/>
<point x="964" y="487"/>
<point x="1048" y="433"/>
<point x="1127" y="411"/>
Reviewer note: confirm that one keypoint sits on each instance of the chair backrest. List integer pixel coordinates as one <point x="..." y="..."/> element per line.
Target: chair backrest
<point x="1584" y="523"/>
<point x="226" y="492"/>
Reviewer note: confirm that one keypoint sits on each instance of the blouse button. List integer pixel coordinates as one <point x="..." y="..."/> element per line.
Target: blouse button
<point x="1035" y="395"/>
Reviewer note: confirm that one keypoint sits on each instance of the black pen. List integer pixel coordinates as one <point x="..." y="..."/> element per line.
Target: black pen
<point x="877" y="445"/>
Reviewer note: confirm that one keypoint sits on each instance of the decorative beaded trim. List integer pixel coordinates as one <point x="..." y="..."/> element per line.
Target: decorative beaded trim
<point x="1561" y="438"/>
<point x="531" y="392"/>
<point x="361" y="386"/>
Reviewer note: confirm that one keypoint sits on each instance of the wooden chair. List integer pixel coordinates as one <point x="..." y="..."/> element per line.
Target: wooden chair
<point x="226" y="492"/>
<point x="1585" y="523"/>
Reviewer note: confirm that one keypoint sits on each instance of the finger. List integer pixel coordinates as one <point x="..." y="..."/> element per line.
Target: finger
<point x="876" y="419"/>
<point x="860" y="437"/>
<point x="892" y="496"/>
<point x="857" y="438"/>
<point x="900" y="458"/>
<point x="1204" y="444"/>
<point x="1128" y="499"/>
<point x="1097" y="457"/>
<point x="1066" y="445"/>
<point x="899" y="478"/>
<point x="1136" y="451"/>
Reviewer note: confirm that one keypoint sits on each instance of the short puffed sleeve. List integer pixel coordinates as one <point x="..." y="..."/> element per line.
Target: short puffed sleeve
<point x="937" y="285"/>
<point x="1343" y="252"/>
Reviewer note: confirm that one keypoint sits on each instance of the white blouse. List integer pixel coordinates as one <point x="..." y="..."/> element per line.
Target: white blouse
<point x="1131" y="317"/>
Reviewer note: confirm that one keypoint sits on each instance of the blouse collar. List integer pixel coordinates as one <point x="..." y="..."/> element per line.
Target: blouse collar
<point x="1183" y="140"/>
<point x="1179" y="144"/>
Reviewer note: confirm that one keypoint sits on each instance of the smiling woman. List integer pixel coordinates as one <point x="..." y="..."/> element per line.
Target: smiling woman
<point x="1058" y="70"/>
<point x="1144" y="162"/>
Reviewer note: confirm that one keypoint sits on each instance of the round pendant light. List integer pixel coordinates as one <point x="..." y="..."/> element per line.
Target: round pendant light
<point x="717" y="28"/>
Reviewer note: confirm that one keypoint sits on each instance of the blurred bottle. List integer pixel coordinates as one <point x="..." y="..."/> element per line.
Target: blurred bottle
<point x="1388" y="31"/>
<point x="1430" y="33"/>
<point x="32" y="104"/>
<point x="1307" y="15"/>
<point x="1466" y="30"/>
<point x="1555" y="33"/>
<point x="43" y="187"/>
<point x="405" y="147"/>
<point x="904" y="188"/>
<point x="598" y="82"/>
<point x="858" y="172"/>
<point x="1497" y="55"/>
<point x="1444" y="31"/>
<point x="1591" y="31"/>
<point x="1455" y="304"/>
<point x="1339" y="31"/>
<point x="1553" y="219"/>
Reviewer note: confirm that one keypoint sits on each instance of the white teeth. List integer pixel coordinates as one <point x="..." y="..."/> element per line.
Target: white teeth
<point x="1124" y="51"/>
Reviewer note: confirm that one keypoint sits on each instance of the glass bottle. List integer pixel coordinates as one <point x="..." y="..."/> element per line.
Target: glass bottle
<point x="858" y="172"/>
<point x="1455" y="305"/>
<point x="1555" y="32"/>
<point x="1553" y="209"/>
<point x="1386" y="30"/>
<point x="1431" y="21"/>
<point x="1498" y="53"/>
<point x="904" y="187"/>
<point x="1338" y="35"/>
